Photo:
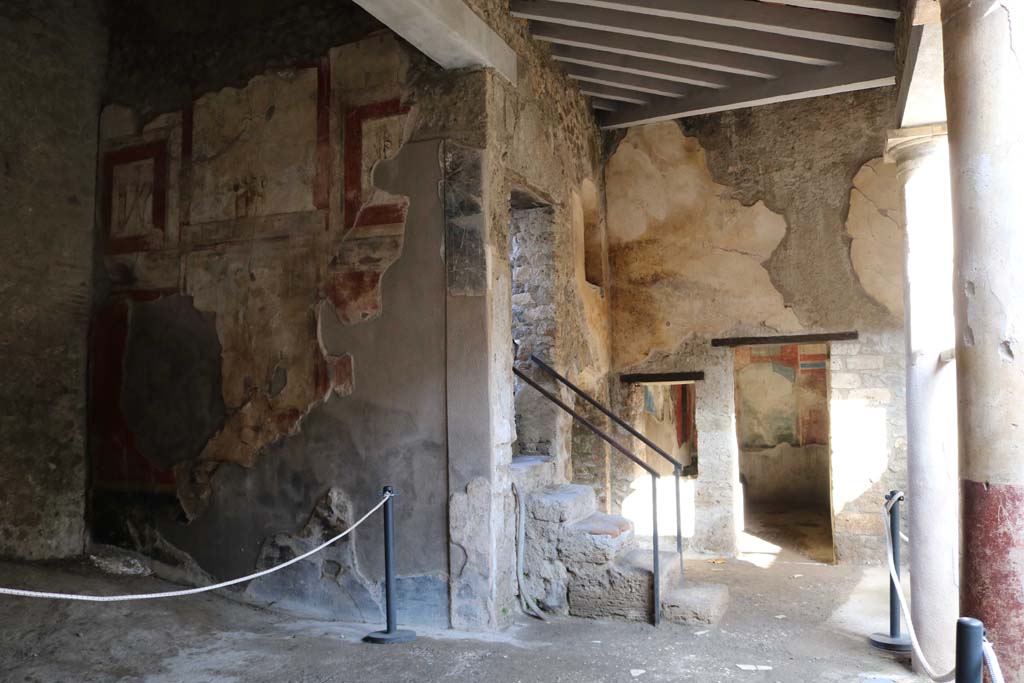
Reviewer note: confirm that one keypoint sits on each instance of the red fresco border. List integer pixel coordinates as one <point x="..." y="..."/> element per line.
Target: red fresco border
<point x="354" y="119"/>
<point x="157" y="151"/>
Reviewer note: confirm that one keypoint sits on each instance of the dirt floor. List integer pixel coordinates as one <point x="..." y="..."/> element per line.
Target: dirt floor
<point x="807" y="621"/>
<point x="804" y="530"/>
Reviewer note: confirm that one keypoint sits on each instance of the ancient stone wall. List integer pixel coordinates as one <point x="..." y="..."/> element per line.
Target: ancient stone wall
<point x="777" y="219"/>
<point x="326" y="244"/>
<point x="266" y="299"/>
<point x="53" y="55"/>
<point x="543" y="141"/>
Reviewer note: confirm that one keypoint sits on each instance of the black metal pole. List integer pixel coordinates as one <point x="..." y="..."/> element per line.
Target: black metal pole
<point x="657" y="558"/>
<point x="895" y="641"/>
<point x="679" y="522"/>
<point x="894" y="598"/>
<point x="969" y="656"/>
<point x="392" y="634"/>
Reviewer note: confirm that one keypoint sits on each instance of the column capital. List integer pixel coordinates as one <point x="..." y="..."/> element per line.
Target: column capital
<point x="903" y="144"/>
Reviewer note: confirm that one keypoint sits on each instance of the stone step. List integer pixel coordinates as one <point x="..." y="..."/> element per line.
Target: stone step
<point x="565" y="504"/>
<point x="622" y="589"/>
<point x="532" y="472"/>
<point x="596" y="539"/>
<point x="695" y="603"/>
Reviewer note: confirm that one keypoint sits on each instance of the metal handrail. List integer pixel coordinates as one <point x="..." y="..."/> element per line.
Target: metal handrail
<point x="656" y="615"/>
<point x="677" y="465"/>
<point x="615" y="418"/>
<point x="587" y="423"/>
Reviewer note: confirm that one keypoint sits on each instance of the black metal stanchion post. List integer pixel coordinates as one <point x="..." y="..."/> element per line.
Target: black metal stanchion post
<point x="969" y="656"/>
<point x="895" y="641"/>
<point x="392" y="634"/>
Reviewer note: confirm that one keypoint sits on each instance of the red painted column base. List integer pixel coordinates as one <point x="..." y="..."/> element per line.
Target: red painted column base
<point x="992" y="567"/>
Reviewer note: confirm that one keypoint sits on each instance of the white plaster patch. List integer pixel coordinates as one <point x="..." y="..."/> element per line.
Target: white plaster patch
<point x="875" y="223"/>
<point x="686" y="258"/>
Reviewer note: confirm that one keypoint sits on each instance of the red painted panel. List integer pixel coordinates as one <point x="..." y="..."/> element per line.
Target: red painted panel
<point x="116" y="462"/>
<point x="679" y="392"/>
<point x="382" y="214"/>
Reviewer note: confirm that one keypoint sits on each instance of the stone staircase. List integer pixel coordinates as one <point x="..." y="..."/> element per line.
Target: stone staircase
<point x="582" y="562"/>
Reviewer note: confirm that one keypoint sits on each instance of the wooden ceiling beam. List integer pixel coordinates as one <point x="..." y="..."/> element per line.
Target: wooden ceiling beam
<point x="886" y="9"/>
<point x="639" y="66"/>
<point x="618" y="79"/>
<point x="742" y="41"/>
<point x="816" y="82"/>
<point x="677" y="53"/>
<point x="609" y="92"/>
<point x="799" y="22"/>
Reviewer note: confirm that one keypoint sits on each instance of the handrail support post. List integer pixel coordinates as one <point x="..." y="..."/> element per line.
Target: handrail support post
<point x="656" y="618"/>
<point x="679" y="521"/>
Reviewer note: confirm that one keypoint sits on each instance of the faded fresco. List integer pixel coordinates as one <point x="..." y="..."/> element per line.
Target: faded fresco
<point x="781" y="395"/>
<point x="227" y="206"/>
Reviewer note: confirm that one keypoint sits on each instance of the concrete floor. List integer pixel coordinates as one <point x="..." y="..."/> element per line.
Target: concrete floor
<point x="806" y="620"/>
<point x="805" y="530"/>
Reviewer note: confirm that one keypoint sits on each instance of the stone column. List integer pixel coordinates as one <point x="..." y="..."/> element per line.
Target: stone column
<point x="922" y="158"/>
<point x="984" y="77"/>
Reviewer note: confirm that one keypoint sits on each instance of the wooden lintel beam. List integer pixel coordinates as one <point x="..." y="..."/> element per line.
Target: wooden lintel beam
<point x="446" y="31"/>
<point x="662" y="377"/>
<point x="787" y="339"/>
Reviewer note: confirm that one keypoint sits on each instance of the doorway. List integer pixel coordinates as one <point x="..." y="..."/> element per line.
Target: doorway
<point x="782" y="425"/>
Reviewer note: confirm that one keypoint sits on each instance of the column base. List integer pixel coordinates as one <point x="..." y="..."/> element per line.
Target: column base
<point x="392" y="638"/>
<point x="883" y="641"/>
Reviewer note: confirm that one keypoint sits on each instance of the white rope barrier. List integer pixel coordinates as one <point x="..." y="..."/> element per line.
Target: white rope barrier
<point x="904" y="608"/>
<point x="192" y="591"/>
<point x="992" y="662"/>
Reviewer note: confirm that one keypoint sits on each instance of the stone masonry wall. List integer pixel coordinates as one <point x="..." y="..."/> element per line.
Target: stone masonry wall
<point x="773" y="220"/>
<point x="869" y="442"/>
<point x="542" y="140"/>
<point x="53" y="55"/>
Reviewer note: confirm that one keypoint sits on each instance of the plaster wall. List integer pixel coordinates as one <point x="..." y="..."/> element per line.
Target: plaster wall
<point x="747" y="224"/>
<point x="341" y="349"/>
<point x="313" y="365"/>
<point x="786" y="474"/>
<point x="54" y="55"/>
